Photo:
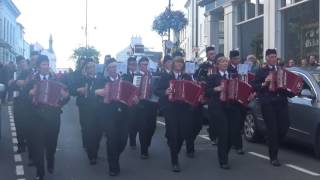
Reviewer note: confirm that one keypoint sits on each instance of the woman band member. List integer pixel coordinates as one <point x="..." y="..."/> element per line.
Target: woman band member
<point x="222" y="114"/>
<point x="178" y="117"/>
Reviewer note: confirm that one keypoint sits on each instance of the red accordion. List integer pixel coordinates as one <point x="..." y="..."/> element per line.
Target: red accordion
<point x="235" y="90"/>
<point x="143" y="83"/>
<point x="286" y="80"/>
<point x="48" y="93"/>
<point x="120" y="91"/>
<point x="185" y="91"/>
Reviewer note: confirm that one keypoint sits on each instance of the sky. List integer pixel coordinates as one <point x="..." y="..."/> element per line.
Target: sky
<point x="111" y="24"/>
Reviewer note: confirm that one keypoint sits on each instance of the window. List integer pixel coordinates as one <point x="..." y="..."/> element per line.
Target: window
<point x="251" y="6"/>
<point x="289" y="2"/>
<point x="241" y="12"/>
<point x="260" y="7"/>
<point x="301" y="31"/>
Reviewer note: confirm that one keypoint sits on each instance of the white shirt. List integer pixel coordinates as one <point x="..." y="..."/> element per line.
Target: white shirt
<point x="275" y="67"/>
<point x="176" y="75"/>
<point x="113" y="79"/>
<point x="224" y="73"/>
<point x="44" y="76"/>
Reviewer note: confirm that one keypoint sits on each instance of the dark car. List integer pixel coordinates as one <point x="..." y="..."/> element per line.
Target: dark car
<point x="304" y="113"/>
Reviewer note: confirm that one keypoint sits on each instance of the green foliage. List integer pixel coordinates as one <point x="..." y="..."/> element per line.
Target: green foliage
<point x="169" y="20"/>
<point x="85" y="53"/>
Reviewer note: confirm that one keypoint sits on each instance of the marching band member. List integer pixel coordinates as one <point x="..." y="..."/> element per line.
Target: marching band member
<point x="234" y="56"/>
<point x="113" y="119"/>
<point x="178" y="115"/>
<point x="146" y="113"/>
<point x="86" y="103"/>
<point x="46" y="122"/>
<point x="132" y="114"/>
<point x="222" y="114"/>
<point x="274" y="106"/>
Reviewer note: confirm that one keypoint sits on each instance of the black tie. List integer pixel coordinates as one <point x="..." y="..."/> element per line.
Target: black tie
<point x="225" y="76"/>
<point x="44" y="78"/>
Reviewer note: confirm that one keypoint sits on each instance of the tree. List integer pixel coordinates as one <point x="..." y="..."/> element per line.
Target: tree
<point x="169" y="20"/>
<point x="83" y="52"/>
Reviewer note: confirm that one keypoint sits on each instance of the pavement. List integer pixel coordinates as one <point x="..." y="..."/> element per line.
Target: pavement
<point x="72" y="163"/>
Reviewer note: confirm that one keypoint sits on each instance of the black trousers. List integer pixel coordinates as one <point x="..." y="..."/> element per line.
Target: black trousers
<point x="133" y="125"/>
<point x="90" y="129"/>
<point x="226" y="120"/>
<point x="146" y="119"/>
<point x="44" y="137"/>
<point x="238" y="144"/>
<point x="117" y="130"/>
<point x="20" y="121"/>
<point x="198" y="120"/>
<point x="276" y="117"/>
<point x="179" y="128"/>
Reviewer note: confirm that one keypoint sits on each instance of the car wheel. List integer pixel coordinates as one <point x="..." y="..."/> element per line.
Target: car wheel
<point x="317" y="145"/>
<point x="250" y="132"/>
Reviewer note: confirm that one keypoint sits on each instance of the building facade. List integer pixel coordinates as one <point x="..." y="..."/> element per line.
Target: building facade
<point x="11" y="33"/>
<point x="256" y="25"/>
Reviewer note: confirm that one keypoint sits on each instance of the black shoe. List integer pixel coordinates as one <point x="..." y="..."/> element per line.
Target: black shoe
<point x="176" y="168"/>
<point x="190" y="155"/>
<point x="144" y="156"/>
<point x="93" y="161"/>
<point x="214" y="142"/>
<point x="114" y="173"/>
<point x="275" y="162"/>
<point x="50" y="170"/>
<point x="39" y="178"/>
<point x="224" y="166"/>
<point x="240" y="151"/>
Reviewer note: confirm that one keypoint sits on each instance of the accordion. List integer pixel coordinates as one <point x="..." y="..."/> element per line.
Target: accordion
<point x="235" y="90"/>
<point x="48" y="93"/>
<point x="143" y="83"/>
<point x="185" y="91"/>
<point x="120" y="91"/>
<point x="285" y="80"/>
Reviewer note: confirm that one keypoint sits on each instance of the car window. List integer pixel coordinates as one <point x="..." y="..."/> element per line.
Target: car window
<point x="306" y="83"/>
<point x="317" y="77"/>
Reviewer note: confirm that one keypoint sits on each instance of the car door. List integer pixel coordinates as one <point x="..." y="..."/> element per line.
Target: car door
<point x="302" y="113"/>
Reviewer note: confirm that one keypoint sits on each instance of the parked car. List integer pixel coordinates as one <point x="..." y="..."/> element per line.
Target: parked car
<point x="304" y="113"/>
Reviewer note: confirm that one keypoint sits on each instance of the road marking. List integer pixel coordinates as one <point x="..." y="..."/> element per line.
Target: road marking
<point x="206" y="137"/>
<point x="17" y="158"/>
<point x="303" y="170"/>
<point x="19" y="170"/>
<point x="259" y="155"/>
<point x="161" y="123"/>
<point x="14" y="140"/>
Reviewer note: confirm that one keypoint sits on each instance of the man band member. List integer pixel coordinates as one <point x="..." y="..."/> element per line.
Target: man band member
<point x="146" y="112"/>
<point x="274" y="106"/>
<point x="114" y="120"/>
<point x="222" y="114"/>
<point x="87" y="105"/>
<point x="46" y="122"/>
<point x="178" y="116"/>
<point x="233" y="72"/>
<point x="18" y="104"/>
<point x="132" y="114"/>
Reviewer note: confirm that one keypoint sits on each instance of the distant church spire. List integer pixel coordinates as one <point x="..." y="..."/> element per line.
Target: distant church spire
<point x="50" y="43"/>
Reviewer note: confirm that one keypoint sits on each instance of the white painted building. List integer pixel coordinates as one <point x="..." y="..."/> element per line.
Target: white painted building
<point x="11" y="33"/>
<point x="290" y="26"/>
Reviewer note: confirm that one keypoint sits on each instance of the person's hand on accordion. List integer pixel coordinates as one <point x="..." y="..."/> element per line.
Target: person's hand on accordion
<point x="82" y="90"/>
<point x="100" y="92"/>
<point x="169" y="91"/>
<point x="135" y="100"/>
<point x="64" y="93"/>
<point x="218" y="88"/>
<point x="252" y="96"/>
<point x="32" y="92"/>
<point x="267" y="80"/>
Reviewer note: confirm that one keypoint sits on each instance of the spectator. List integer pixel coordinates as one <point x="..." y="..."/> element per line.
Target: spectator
<point x="252" y="60"/>
<point x="280" y="62"/>
<point x="313" y="61"/>
<point x="291" y="63"/>
<point x="304" y="63"/>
